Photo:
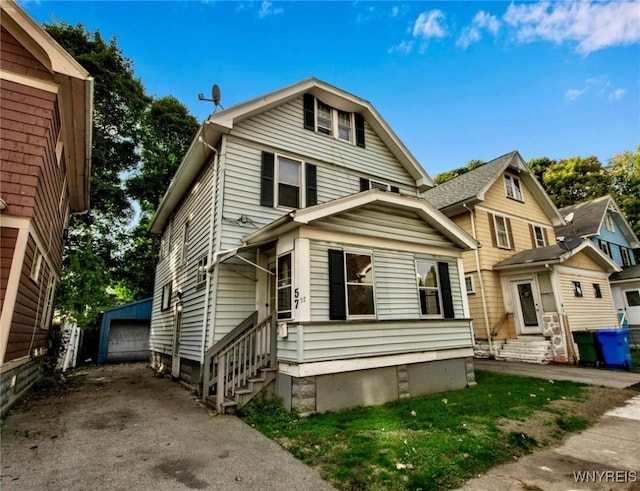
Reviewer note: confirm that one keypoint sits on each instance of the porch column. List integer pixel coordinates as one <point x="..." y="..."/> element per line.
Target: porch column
<point x="302" y="280"/>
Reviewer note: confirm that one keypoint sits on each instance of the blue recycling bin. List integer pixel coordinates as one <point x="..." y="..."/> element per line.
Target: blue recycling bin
<point x="615" y="348"/>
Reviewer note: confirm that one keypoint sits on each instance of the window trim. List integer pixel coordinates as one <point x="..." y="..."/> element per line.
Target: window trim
<point x="472" y="289"/>
<point x="276" y="183"/>
<point x="288" y="285"/>
<point x="608" y="223"/>
<point x="334" y="121"/>
<point x="165" y="299"/>
<point x="47" y="312"/>
<point x="542" y="238"/>
<point x="577" y="289"/>
<point x="201" y="271"/>
<point x="36" y="265"/>
<point x="604" y="247"/>
<point x="347" y="283"/>
<point x="505" y="232"/>
<point x="626" y="257"/>
<point x="184" y="253"/>
<point x="437" y="288"/>
<point x="597" y="290"/>
<point x="512" y="188"/>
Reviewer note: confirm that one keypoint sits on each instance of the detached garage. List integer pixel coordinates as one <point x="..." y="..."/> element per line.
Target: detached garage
<point x="124" y="333"/>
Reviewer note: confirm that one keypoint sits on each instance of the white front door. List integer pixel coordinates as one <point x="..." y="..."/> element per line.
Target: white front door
<point x="526" y="302"/>
<point x="175" y="359"/>
<point x="632" y="305"/>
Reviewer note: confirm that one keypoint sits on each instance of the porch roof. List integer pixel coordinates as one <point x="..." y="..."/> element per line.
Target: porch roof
<point x="421" y="207"/>
<point x="554" y="254"/>
<point x="628" y="273"/>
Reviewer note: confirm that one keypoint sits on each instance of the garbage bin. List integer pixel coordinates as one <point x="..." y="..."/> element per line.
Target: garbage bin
<point x="615" y="348"/>
<point x="588" y="347"/>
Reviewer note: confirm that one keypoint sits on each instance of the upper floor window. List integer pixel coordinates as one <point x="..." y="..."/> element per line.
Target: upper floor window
<point x="608" y="223"/>
<point x="597" y="291"/>
<point x="185" y="243"/>
<point x="604" y="247"/>
<point x="343" y="125"/>
<point x="502" y="232"/>
<point x="626" y="257"/>
<point x="366" y="184"/>
<point x="287" y="183"/>
<point x="539" y="236"/>
<point x="512" y="187"/>
<point x="165" y="301"/>
<point x="36" y="265"/>
<point x="47" y="311"/>
<point x="201" y="276"/>
<point x="577" y="289"/>
<point x="469" y="284"/>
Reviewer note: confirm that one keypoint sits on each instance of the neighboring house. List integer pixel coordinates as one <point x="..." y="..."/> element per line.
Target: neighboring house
<point x="45" y="143"/>
<point x="523" y="287"/>
<point x="601" y="221"/>
<point x="299" y="210"/>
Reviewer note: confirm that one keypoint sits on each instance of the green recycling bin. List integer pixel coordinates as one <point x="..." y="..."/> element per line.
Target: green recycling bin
<point x="588" y="347"/>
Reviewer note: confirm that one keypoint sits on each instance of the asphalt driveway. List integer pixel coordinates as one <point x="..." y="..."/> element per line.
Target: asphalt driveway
<point x="120" y="427"/>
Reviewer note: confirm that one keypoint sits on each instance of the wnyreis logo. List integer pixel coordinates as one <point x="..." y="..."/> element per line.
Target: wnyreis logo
<point x="605" y="476"/>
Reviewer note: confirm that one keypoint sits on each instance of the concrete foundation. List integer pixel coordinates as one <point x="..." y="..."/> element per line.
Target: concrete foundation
<point x="16" y="382"/>
<point x="333" y="392"/>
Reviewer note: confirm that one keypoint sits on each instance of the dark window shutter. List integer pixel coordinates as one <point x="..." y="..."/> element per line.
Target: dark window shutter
<point x="532" y="234"/>
<point x="266" y="192"/>
<point x="445" y="290"/>
<point x="512" y="244"/>
<point x="492" y="229"/>
<point x="337" y="302"/>
<point x="395" y="189"/>
<point x="364" y="184"/>
<point x="359" y="119"/>
<point x="309" y="112"/>
<point x="546" y="237"/>
<point x="311" y="184"/>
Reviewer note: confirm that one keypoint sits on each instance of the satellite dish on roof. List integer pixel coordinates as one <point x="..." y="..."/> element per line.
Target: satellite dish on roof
<point x="569" y="242"/>
<point x="569" y="217"/>
<point x="215" y="97"/>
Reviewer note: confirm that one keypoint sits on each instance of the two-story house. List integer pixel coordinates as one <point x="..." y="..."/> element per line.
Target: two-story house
<point x="601" y="221"/>
<point x="526" y="291"/>
<point x="295" y="247"/>
<point x="45" y="149"/>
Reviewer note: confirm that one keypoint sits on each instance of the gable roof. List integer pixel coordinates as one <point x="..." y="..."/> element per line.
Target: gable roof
<point x="222" y="122"/>
<point x="554" y="254"/>
<point x="420" y="207"/>
<point x="588" y="217"/>
<point x="470" y="188"/>
<point x="75" y="91"/>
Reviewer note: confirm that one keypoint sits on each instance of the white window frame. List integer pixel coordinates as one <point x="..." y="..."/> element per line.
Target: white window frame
<point x="512" y="187"/>
<point x="597" y="290"/>
<point x="334" y="122"/>
<point x="432" y="264"/>
<point x="539" y="238"/>
<point x="36" y="265"/>
<point x="469" y="284"/>
<point x="184" y="254"/>
<point x="608" y="223"/>
<point x="47" y="311"/>
<point x="284" y="314"/>
<point x="165" y="301"/>
<point x="301" y="182"/>
<point x="577" y="289"/>
<point x="348" y="283"/>
<point x="604" y="247"/>
<point x="379" y="185"/>
<point x="626" y="257"/>
<point x="201" y="274"/>
<point x="59" y="148"/>
<point x="501" y="232"/>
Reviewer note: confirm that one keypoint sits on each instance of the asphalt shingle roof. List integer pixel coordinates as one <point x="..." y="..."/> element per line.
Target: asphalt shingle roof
<point x="466" y="186"/>
<point x="628" y="273"/>
<point x="539" y="254"/>
<point x="587" y="217"/>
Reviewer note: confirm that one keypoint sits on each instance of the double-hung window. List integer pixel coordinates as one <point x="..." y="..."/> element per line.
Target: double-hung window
<point x="626" y="258"/>
<point x="428" y="288"/>
<point x="539" y="237"/>
<point x="324" y="121"/>
<point x="502" y="235"/>
<point x="342" y="125"/>
<point x="165" y="301"/>
<point x="360" y="284"/>
<point x="604" y="247"/>
<point x="608" y="223"/>
<point x="512" y="187"/>
<point x="287" y="182"/>
<point x="284" y="287"/>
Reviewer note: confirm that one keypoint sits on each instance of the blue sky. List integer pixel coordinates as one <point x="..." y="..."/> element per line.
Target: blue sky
<point x="455" y="80"/>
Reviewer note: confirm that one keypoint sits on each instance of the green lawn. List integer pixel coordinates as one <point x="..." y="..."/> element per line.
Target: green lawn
<point x="433" y="442"/>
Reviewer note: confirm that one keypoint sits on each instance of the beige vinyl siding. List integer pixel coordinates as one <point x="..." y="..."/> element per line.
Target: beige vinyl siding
<point x="496" y="199"/>
<point x="282" y="128"/>
<point x="196" y="209"/>
<point x="337" y="340"/>
<point x="582" y="261"/>
<point x="587" y="312"/>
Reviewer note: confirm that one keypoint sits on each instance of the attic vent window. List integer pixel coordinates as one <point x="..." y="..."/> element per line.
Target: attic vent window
<point x="327" y="120"/>
<point x="512" y="187"/>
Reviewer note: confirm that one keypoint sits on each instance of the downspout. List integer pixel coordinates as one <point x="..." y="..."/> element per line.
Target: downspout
<point x="209" y="252"/>
<point x="482" y="293"/>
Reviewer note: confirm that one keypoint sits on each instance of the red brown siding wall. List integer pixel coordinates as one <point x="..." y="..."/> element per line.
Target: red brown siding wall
<point x="15" y="58"/>
<point x="25" y="333"/>
<point x="8" y="238"/>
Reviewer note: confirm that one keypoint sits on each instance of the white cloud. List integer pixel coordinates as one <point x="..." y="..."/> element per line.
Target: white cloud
<point x="590" y="24"/>
<point x="574" y="94"/>
<point x="472" y="34"/>
<point x="429" y="25"/>
<point x="404" y="48"/>
<point x="266" y="9"/>
<point x="617" y="94"/>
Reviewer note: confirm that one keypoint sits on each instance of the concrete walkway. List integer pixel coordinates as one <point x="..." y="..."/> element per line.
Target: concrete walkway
<point x="617" y="379"/>
<point x="603" y="457"/>
<point x="122" y="428"/>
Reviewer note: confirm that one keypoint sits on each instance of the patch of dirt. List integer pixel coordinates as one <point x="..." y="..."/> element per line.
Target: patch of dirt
<point x="543" y="425"/>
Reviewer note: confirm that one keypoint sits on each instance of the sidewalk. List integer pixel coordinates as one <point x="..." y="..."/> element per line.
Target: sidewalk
<point x="603" y="457"/>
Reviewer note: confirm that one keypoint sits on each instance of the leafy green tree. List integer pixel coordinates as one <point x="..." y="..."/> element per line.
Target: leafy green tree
<point x="575" y="180"/>
<point x="539" y="166"/>
<point x="624" y="169"/>
<point x="448" y="175"/>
